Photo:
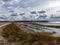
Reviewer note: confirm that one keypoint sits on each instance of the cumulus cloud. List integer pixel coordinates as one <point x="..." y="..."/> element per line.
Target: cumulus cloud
<point x="19" y="6"/>
<point x="9" y="0"/>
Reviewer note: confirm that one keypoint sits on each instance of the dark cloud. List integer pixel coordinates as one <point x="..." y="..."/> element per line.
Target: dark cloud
<point x="6" y="0"/>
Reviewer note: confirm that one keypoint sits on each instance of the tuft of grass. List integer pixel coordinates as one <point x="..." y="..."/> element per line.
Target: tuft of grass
<point x="13" y="33"/>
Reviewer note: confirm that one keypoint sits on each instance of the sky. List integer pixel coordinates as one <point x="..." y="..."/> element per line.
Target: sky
<point x="27" y="5"/>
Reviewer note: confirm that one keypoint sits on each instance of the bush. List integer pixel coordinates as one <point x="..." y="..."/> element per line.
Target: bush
<point x="11" y="32"/>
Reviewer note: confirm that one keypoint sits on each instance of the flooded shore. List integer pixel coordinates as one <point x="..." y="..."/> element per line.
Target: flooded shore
<point x="43" y="27"/>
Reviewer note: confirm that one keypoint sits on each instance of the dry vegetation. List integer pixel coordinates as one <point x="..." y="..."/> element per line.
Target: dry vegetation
<point x="13" y="33"/>
<point x="54" y="26"/>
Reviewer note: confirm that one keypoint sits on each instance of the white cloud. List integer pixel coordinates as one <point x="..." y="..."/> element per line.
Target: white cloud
<point x="20" y="6"/>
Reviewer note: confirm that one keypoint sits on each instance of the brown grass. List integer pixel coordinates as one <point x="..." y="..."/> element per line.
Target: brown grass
<point x="13" y="33"/>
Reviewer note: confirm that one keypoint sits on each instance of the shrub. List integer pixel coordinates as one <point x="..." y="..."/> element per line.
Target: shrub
<point x="11" y="32"/>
